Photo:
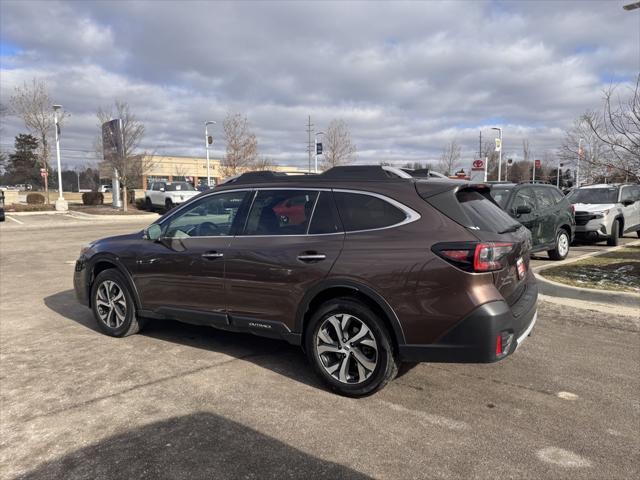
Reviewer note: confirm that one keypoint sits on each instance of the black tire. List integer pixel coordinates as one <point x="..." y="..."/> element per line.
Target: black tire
<point x="168" y="204"/>
<point x="562" y="246"/>
<point x="131" y="323"/>
<point x="386" y="359"/>
<point x="147" y="204"/>
<point x="614" y="238"/>
<point x="638" y="233"/>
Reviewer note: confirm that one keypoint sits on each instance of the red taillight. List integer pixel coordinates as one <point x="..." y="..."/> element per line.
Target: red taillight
<point x="499" y="345"/>
<point x="488" y="256"/>
<point x="475" y="257"/>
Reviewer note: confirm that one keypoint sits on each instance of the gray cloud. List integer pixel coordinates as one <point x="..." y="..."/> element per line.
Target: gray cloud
<point x="407" y="77"/>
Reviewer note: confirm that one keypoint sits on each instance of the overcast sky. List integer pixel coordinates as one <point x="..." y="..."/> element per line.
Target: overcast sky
<point x="406" y="77"/>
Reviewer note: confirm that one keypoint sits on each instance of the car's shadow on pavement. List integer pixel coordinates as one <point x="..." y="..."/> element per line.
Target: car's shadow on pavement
<point x="199" y="445"/>
<point x="276" y="355"/>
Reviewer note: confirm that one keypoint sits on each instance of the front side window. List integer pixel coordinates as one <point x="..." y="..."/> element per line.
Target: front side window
<point x="524" y="198"/>
<point x="366" y="212"/>
<point x="158" y="186"/>
<point x="280" y="212"/>
<point x="212" y="216"/>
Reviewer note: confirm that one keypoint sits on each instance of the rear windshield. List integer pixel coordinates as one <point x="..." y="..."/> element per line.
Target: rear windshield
<point x="594" y="195"/>
<point x="484" y="214"/>
<point x="178" y="186"/>
<point x="500" y="195"/>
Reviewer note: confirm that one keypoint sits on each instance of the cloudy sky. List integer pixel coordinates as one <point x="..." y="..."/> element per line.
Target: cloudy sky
<point x="406" y="77"/>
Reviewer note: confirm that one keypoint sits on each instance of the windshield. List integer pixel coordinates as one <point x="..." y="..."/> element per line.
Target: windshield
<point x="484" y="214"/>
<point x="594" y="195"/>
<point x="500" y="195"/>
<point x="179" y="186"/>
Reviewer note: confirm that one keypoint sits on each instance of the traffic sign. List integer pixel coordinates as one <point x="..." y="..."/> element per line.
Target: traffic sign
<point x="538" y="163"/>
<point x="318" y="148"/>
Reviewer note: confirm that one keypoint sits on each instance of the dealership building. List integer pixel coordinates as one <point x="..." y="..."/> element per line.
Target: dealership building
<point x="175" y="168"/>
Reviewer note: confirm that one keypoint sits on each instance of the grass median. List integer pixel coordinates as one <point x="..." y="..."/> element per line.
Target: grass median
<point x="617" y="271"/>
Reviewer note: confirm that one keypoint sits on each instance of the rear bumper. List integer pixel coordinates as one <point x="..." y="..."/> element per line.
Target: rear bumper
<point x="473" y="340"/>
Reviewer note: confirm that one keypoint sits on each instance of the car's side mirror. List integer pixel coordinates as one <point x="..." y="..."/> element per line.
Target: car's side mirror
<point x="153" y="232"/>
<point x="162" y="189"/>
<point x="523" y="209"/>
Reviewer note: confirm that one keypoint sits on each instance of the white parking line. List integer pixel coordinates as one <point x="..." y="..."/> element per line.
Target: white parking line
<point x="15" y="220"/>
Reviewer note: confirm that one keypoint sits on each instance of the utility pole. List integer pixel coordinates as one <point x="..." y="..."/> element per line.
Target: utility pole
<point x="480" y="150"/>
<point x="309" y="144"/>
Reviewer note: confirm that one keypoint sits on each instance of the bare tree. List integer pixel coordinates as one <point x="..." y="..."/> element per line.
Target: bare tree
<point x="338" y="148"/>
<point x="3" y="114"/>
<point x="582" y="148"/>
<point x="32" y="103"/>
<point x="133" y="163"/>
<point x="450" y="157"/>
<point x="618" y="127"/>
<point x="262" y="163"/>
<point x="242" y="145"/>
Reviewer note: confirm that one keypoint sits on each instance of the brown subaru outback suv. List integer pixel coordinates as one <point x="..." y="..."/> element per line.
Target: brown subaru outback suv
<point x="364" y="267"/>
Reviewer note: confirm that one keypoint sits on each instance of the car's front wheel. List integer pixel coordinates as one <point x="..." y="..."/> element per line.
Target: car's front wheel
<point x="561" y="249"/>
<point x="113" y="305"/>
<point x="168" y="204"/>
<point x="350" y="348"/>
<point x="147" y="204"/>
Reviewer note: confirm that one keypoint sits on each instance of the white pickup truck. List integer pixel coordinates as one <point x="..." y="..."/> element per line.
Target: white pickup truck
<point x="168" y="194"/>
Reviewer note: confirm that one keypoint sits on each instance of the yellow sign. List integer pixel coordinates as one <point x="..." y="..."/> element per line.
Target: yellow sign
<point x="498" y="144"/>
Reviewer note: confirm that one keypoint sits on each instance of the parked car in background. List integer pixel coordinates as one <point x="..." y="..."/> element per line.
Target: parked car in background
<point x="544" y="210"/>
<point x="168" y="194"/>
<point x="606" y="211"/>
<point x="370" y="268"/>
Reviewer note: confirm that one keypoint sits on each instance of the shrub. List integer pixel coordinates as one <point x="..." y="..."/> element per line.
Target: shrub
<point x="35" y="198"/>
<point x="140" y="204"/>
<point x="92" y="198"/>
<point x="131" y="196"/>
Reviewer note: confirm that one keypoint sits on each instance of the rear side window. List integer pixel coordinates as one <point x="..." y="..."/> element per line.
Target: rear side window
<point x="280" y="212"/>
<point x="484" y="214"/>
<point x="366" y="212"/>
<point x="545" y="198"/>
<point x="325" y="216"/>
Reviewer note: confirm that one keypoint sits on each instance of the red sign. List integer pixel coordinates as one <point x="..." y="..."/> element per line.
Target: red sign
<point x="478" y="164"/>
<point x="538" y="163"/>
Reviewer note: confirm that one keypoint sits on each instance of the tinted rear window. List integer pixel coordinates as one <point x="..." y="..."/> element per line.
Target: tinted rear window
<point x="366" y="212"/>
<point x="484" y="214"/>
<point x="325" y="216"/>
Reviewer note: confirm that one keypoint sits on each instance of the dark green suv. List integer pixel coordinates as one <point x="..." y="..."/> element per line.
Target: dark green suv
<point x="544" y="210"/>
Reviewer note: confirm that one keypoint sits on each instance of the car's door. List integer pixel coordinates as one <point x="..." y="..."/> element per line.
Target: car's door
<point x="548" y="214"/>
<point x="630" y="204"/>
<point x="183" y="272"/>
<point x="291" y="240"/>
<point x="526" y="197"/>
<point x="156" y="193"/>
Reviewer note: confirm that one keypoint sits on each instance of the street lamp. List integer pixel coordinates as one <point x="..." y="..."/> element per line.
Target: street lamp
<point x="61" y="204"/>
<point x="318" y="152"/>
<point x="499" y="152"/>
<point x="208" y="141"/>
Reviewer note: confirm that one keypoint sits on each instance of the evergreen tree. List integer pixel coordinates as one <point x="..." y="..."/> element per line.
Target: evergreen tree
<point x="23" y="163"/>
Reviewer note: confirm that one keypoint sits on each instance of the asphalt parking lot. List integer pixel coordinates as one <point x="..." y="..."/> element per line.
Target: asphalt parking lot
<point x="180" y="401"/>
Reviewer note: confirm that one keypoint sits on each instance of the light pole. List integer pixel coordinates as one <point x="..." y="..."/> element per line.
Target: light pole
<point x="499" y="153"/>
<point x="318" y="152"/>
<point x="208" y="141"/>
<point x="578" y="164"/>
<point x="61" y="204"/>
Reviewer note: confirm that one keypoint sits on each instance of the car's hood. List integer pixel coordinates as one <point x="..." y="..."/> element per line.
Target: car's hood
<point x="593" y="207"/>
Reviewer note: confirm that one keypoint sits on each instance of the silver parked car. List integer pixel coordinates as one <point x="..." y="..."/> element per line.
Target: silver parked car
<point x="606" y="212"/>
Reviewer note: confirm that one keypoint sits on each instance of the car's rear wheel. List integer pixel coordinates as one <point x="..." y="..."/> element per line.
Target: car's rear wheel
<point x="614" y="238"/>
<point x="113" y="305"/>
<point x="350" y="348"/>
<point x="561" y="249"/>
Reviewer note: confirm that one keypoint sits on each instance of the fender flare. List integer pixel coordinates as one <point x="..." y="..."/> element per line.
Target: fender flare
<point x="117" y="263"/>
<point x="355" y="286"/>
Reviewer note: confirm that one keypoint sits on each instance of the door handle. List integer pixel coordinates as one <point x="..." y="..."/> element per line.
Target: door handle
<point x="311" y="257"/>
<point x="212" y="255"/>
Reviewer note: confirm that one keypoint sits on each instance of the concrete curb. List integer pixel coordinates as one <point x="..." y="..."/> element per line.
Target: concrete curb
<point x="588" y="295"/>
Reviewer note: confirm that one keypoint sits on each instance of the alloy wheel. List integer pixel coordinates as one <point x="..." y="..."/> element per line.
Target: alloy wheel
<point x="347" y="348"/>
<point x="111" y="304"/>
<point x="563" y="244"/>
